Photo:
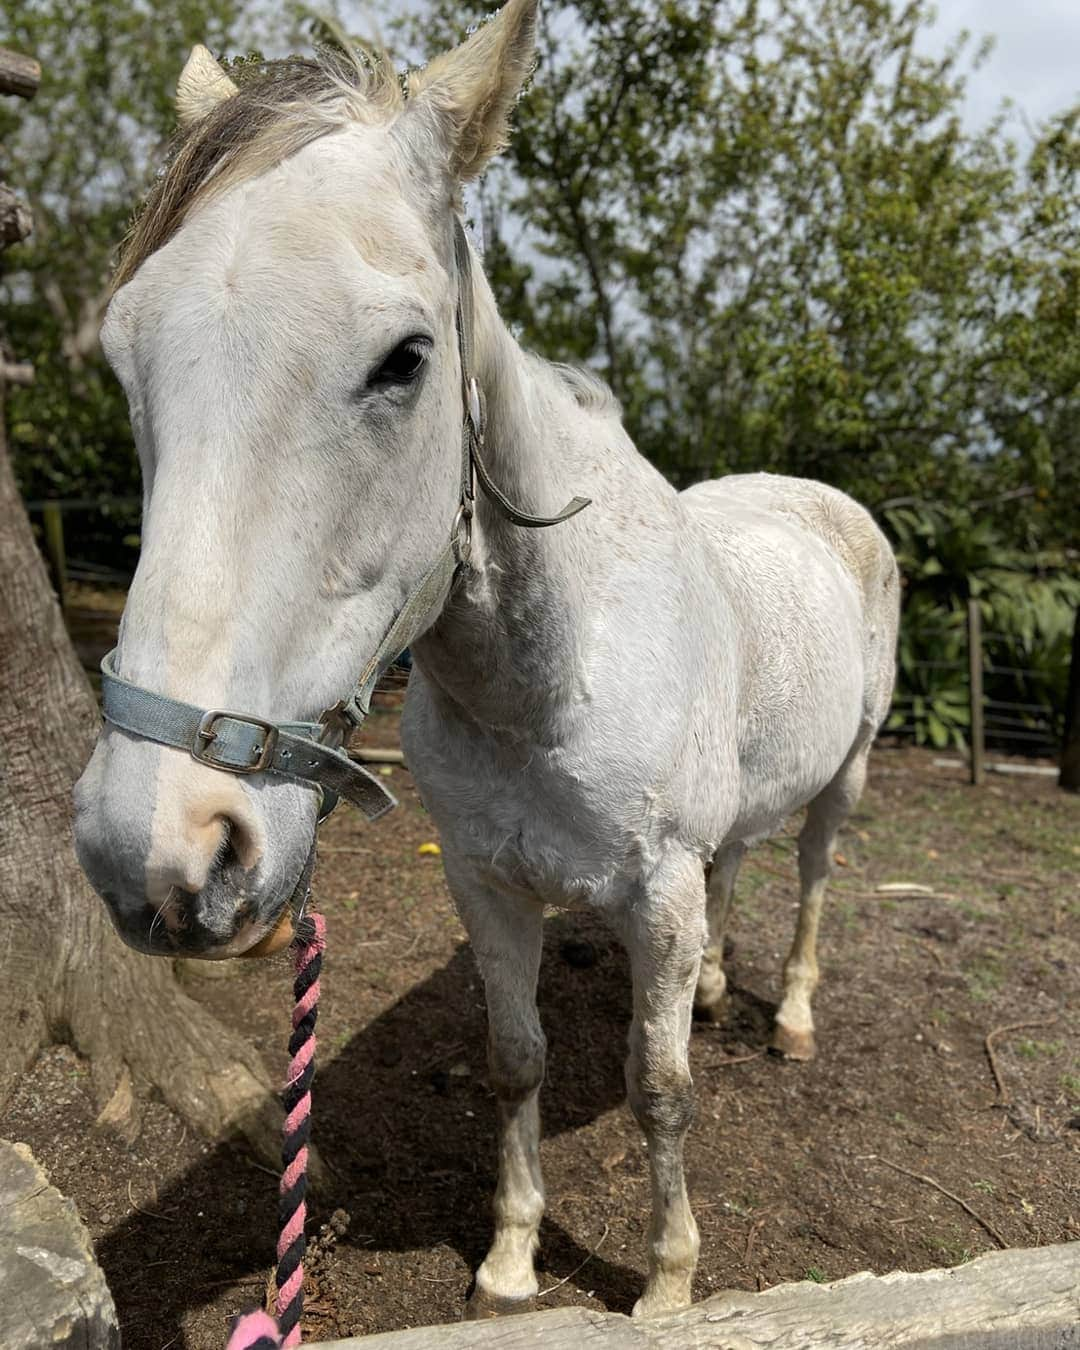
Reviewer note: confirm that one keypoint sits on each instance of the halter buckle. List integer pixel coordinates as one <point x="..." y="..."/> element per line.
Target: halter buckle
<point x="461" y="534"/>
<point x="206" y="734"/>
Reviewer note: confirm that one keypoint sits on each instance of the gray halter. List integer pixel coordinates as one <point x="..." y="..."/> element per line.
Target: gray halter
<point x="310" y="752"/>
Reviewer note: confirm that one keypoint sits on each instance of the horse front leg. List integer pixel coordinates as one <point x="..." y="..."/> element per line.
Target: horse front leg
<point x="664" y="936"/>
<point x="506" y="932"/>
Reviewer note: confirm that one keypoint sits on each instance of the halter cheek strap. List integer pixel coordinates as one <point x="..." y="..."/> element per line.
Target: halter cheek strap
<point x="310" y="752"/>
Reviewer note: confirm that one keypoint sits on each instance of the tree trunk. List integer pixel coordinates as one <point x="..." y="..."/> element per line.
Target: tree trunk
<point x="65" y="975"/>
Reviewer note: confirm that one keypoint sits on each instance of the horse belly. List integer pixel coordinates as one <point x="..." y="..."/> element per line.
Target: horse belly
<point x="801" y="700"/>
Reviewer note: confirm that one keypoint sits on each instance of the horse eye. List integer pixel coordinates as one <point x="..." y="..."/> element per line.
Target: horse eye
<point x="404" y="363"/>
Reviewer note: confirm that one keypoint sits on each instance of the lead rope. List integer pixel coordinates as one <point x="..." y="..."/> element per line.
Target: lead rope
<point x="258" y="1330"/>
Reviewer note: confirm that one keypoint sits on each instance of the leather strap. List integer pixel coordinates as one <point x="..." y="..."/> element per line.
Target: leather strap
<point x="309" y="752"/>
<point x="475" y="411"/>
<point x="240" y="744"/>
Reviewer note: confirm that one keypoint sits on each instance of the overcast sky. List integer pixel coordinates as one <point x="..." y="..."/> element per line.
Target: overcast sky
<point x="1035" y="61"/>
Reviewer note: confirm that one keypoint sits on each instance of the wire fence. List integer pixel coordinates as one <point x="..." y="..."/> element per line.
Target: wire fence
<point x="978" y="690"/>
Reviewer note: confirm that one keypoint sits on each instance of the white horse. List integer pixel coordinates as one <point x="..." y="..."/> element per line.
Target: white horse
<point x="604" y="713"/>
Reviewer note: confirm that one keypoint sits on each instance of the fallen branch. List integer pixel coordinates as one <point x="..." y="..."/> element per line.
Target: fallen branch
<point x="929" y="1181"/>
<point x="991" y="1037"/>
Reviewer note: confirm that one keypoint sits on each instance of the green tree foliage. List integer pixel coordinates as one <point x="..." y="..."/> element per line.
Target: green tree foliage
<point x="83" y="152"/>
<point x="1028" y="603"/>
<point x="766" y="224"/>
<point x="767" y="227"/>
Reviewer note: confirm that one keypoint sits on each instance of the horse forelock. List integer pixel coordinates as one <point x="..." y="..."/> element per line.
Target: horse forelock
<point x="279" y="107"/>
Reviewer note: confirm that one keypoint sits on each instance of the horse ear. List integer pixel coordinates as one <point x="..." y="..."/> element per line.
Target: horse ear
<point x="201" y="87"/>
<point x="472" y="88"/>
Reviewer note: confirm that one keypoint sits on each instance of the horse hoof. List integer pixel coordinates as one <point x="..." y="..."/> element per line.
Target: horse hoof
<point x="482" y="1305"/>
<point x="647" y="1306"/>
<point x="790" y="1044"/>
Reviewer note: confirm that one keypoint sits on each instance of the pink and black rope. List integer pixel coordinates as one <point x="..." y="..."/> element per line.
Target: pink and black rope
<point x="259" y="1331"/>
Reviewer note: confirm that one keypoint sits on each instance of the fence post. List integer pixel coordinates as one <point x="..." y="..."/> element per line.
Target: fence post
<point x="53" y="521"/>
<point x="1070" y="751"/>
<point x="975" y="691"/>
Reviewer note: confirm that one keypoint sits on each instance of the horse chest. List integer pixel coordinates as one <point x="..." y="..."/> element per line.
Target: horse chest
<point x="531" y="819"/>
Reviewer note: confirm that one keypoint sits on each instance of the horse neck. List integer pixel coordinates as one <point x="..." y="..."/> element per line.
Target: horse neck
<point x="505" y="648"/>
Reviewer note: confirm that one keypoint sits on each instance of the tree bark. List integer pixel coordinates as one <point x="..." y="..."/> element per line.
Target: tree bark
<point x="15" y="219"/>
<point x="66" y="976"/>
<point x="19" y="74"/>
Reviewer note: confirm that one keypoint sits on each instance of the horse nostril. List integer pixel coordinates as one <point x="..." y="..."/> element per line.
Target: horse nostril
<point x="237" y="845"/>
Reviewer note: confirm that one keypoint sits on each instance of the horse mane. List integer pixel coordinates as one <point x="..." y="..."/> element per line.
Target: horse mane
<point x="589" y="391"/>
<point x="279" y="107"/>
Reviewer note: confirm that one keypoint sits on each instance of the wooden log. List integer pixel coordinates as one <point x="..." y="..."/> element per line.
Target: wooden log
<point x="54" y="1291"/>
<point x="19" y="74"/>
<point x="16" y="222"/>
<point x="975" y="691"/>
<point x="20" y="373"/>
<point x="1011" y="1300"/>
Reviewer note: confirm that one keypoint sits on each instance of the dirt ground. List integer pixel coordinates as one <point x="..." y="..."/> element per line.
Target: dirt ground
<point x="795" y="1171"/>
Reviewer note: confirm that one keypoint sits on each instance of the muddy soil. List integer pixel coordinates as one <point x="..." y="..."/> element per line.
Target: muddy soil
<point x="795" y="1171"/>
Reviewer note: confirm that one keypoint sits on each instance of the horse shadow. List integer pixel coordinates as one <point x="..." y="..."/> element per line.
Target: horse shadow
<point x="405" y="1123"/>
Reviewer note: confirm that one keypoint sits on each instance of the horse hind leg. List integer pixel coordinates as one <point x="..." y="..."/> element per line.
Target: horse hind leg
<point x="793" y="1036"/>
<point x="711" y="996"/>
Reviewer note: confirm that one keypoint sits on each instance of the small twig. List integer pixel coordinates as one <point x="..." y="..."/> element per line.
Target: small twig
<point x="239" y="1281"/>
<point x="783" y="844"/>
<point x="260" y="1168"/>
<point x="150" y="1214"/>
<point x="922" y="942"/>
<point x="929" y="1181"/>
<point x="581" y="1264"/>
<point x="768" y="867"/>
<point x="728" y="1060"/>
<point x="755" y="1229"/>
<point x="991" y="1037"/>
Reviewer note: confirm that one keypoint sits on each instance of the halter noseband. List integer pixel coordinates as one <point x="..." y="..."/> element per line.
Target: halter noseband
<point x="310" y="752"/>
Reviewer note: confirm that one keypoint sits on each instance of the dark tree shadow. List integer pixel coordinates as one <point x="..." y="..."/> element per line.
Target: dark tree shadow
<point x="405" y="1122"/>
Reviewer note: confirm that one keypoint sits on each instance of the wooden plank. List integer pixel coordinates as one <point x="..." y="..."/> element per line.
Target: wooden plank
<point x="1069" y="777"/>
<point x="975" y="692"/>
<point x="365" y="754"/>
<point x="19" y="74"/>
<point x="1011" y="1300"/>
